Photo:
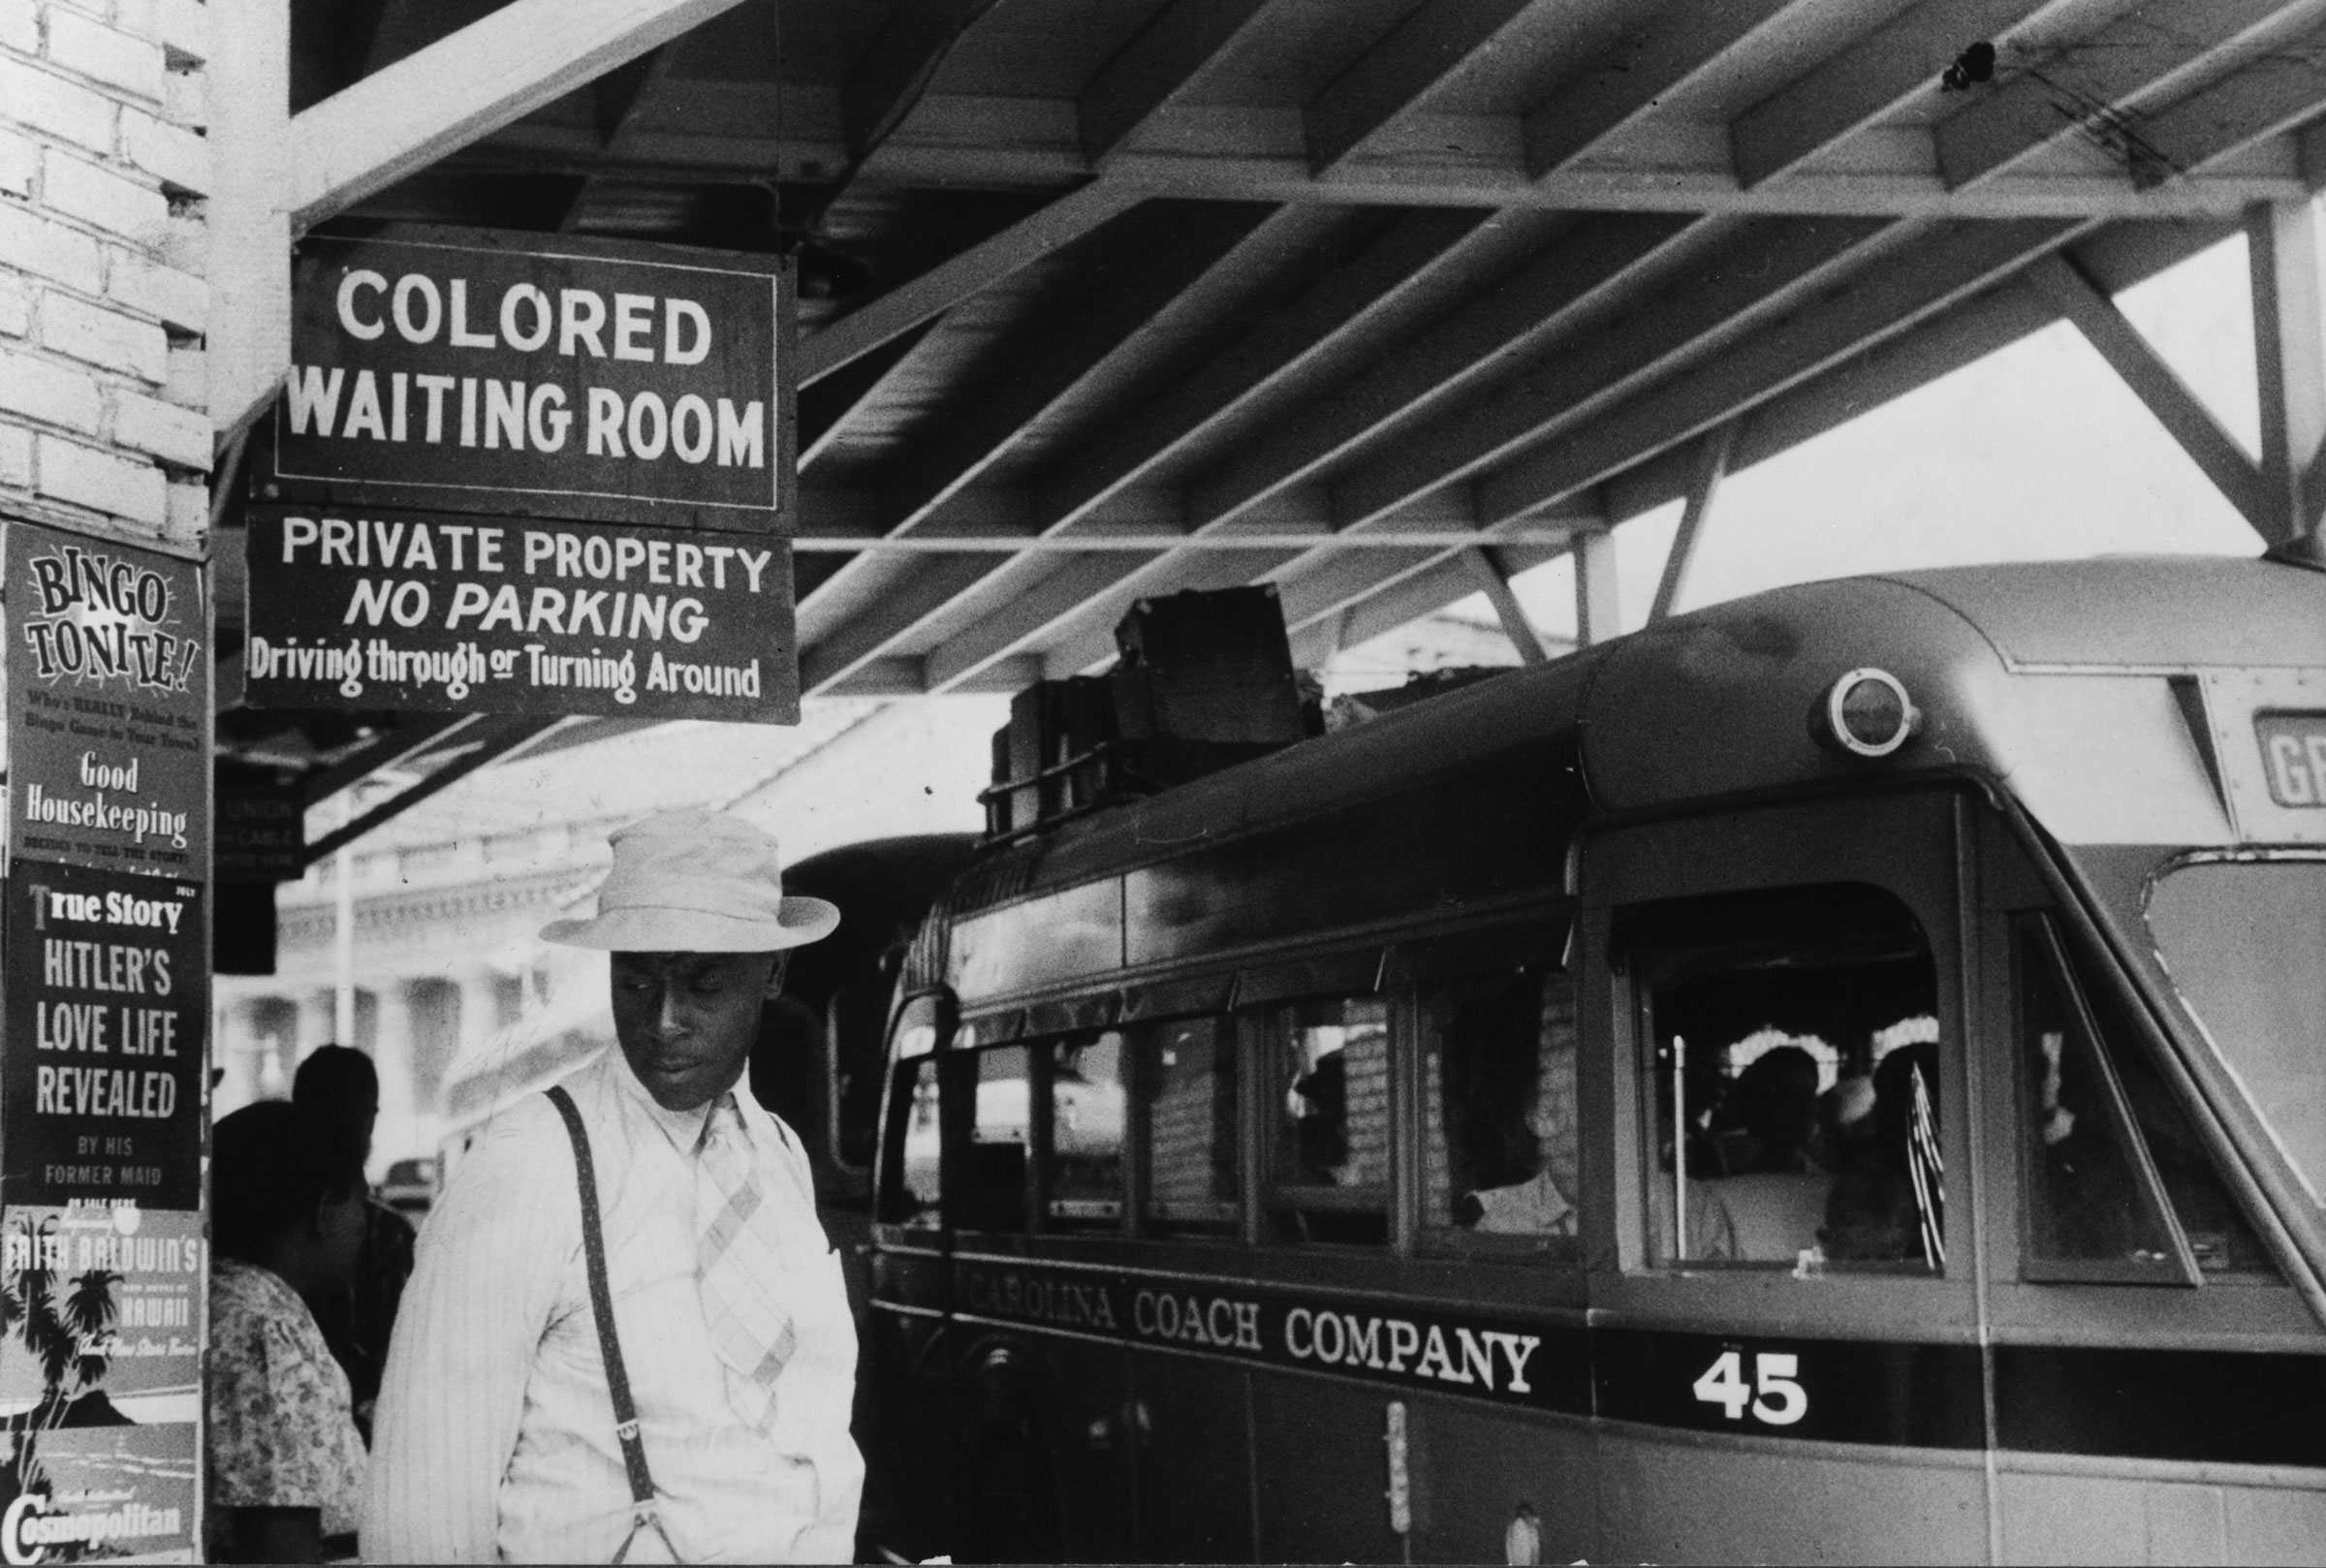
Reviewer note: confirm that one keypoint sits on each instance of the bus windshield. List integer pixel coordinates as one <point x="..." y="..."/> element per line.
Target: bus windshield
<point x="2242" y="940"/>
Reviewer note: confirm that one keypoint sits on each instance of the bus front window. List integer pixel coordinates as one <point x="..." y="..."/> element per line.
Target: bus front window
<point x="2242" y="941"/>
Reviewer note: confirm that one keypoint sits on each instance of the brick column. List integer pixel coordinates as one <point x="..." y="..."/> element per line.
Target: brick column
<point x="103" y="166"/>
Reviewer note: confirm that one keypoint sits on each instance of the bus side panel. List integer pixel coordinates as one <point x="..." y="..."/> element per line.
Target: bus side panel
<point x="1044" y="1466"/>
<point x="905" y="1431"/>
<point x="1674" y="1498"/>
<point x="1193" y="1419"/>
<point x="1328" y="1473"/>
<point x="1477" y="1472"/>
<point x="2050" y="1516"/>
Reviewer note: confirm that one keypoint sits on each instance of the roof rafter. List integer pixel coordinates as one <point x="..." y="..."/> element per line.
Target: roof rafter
<point x="1942" y="268"/>
<point x="620" y="94"/>
<point x="1865" y="82"/>
<point x="1759" y="271"/>
<point x="495" y="70"/>
<point x="1226" y="152"/>
<point x="1159" y="264"/>
<point x="1453" y="352"/>
<point x="1618" y="88"/>
<point x="1427" y="47"/>
<point x="958" y="277"/>
<point x="1350" y="299"/>
<point x="1169" y="55"/>
<point x="1566" y="275"/>
<point x="825" y="405"/>
<point x="1333" y="608"/>
<point x="2093" y="87"/>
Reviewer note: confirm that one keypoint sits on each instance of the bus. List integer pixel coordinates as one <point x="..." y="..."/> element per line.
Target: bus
<point x="1834" y="1076"/>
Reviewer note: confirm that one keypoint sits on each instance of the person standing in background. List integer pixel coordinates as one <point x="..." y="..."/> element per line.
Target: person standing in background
<point x="285" y="1465"/>
<point x="337" y="1089"/>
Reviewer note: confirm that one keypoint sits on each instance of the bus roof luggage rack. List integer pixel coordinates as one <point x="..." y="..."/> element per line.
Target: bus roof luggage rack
<point x="1205" y="680"/>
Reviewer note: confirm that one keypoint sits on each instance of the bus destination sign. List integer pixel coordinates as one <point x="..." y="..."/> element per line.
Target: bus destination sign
<point x="472" y="614"/>
<point x="2293" y="756"/>
<point x="506" y="374"/>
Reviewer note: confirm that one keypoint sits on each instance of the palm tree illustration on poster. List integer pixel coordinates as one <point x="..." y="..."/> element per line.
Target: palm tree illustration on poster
<point x="100" y="1329"/>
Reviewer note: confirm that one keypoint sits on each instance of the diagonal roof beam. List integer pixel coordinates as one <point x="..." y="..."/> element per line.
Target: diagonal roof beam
<point x="1154" y="70"/>
<point x="1683" y="43"/>
<point x="898" y="66"/>
<point x="1164" y="263"/>
<point x="826" y="405"/>
<point x="1158" y="264"/>
<point x="1942" y="268"/>
<point x="1491" y="575"/>
<point x="2095" y="88"/>
<point x="1422" y="250"/>
<point x="1956" y="338"/>
<point x="861" y="640"/>
<point x="1568" y="274"/>
<point x="1704" y="485"/>
<point x="958" y="277"/>
<point x="1332" y="609"/>
<point x="2183" y="414"/>
<point x="1342" y="574"/>
<point x="1454" y="352"/>
<point x="2283" y="90"/>
<point x="1765" y="267"/>
<point x="1089" y="593"/>
<point x="1863" y="82"/>
<point x="1429" y="47"/>
<point x="497" y="69"/>
<point x="620" y="94"/>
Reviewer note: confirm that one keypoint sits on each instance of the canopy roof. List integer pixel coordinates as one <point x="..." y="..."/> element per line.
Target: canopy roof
<point x="1380" y="301"/>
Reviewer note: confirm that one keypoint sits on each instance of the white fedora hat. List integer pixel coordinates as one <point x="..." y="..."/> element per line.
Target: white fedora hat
<point x="695" y="882"/>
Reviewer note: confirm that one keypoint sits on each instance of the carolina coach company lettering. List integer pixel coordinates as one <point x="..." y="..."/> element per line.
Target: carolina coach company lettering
<point x="1298" y="1330"/>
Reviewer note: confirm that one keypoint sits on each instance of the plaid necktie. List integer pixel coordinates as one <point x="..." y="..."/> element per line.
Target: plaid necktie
<point x="739" y="1260"/>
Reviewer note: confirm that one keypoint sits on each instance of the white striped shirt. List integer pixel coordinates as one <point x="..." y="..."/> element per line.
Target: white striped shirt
<point x="496" y="1432"/>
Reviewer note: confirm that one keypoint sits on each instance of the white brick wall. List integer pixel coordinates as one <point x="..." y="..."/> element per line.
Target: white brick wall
<point x="103" y="297"/>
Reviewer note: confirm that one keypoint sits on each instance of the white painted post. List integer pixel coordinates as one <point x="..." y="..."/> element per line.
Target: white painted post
<point x="249" y="230"/>
<point x="2289" y="353"/>
<point x="1598" y="609"/>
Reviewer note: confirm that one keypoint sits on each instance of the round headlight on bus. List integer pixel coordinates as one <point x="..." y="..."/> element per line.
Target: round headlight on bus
<point x="1868" y="713"/>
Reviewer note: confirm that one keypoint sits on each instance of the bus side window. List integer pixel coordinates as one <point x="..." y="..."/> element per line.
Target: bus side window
<point x="1187" y="1096"/>
<point x="1328" y="1144"/>
<point x="1085" y="1147"/>
<point x="1500" y="1132"/>
<point x="991" y="1171"/>
<point x="1791" y="1079"/>
<point x="2107" y="1132"/>
<point x="909" y="1191"/>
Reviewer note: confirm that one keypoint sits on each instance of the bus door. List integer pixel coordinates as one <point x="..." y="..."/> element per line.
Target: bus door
<point x="1784" y="1338"/>
<point x="1041" y="1377"/>
<point x="904" y="1385"/>
<point x="2155" y="1377"/>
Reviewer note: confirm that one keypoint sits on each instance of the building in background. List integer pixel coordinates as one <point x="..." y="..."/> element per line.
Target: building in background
<point x="447" y="899"/>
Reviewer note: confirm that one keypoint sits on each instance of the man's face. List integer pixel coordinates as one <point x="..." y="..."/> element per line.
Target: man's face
<point x="685" y="1020"/>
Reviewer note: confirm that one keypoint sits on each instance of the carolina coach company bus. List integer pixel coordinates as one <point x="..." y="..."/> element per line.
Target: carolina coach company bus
<point x="1838" y="1074"/>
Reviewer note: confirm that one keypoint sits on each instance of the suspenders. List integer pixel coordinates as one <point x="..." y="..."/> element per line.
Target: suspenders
<point x="643" y="1513"/>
